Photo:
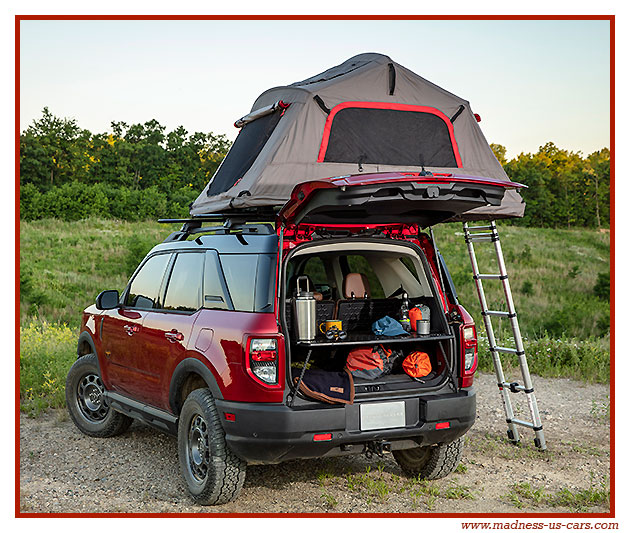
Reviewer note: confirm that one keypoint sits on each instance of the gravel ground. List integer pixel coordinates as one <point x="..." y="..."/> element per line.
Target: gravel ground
<point x="62" y="470"/>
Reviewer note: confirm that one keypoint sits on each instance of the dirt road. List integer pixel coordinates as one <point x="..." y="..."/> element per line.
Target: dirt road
<point x="61" y="470"/>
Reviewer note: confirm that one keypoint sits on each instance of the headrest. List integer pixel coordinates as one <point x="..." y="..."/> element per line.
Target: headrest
<point x="356" y="285"/>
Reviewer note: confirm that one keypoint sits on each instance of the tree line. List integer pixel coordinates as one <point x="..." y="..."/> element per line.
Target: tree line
<point x="141" y="171"/>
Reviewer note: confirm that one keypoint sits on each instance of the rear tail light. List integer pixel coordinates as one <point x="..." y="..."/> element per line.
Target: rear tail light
<point x="470" y="347"/>
<point x="469" y="355"/>
<point x="263" y="360"/>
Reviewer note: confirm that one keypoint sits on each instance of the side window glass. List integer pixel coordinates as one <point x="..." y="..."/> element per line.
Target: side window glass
<point x="405" y="260"/>
<point x="183" y="292"/>
<point x="314" y="269"/>
<point x="145" y="287"/>
<point x="240" y="275"/>
<point x="215" y="295"/>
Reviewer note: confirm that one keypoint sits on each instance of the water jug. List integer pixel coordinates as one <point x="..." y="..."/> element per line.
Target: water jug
<point x="304" y="311"/>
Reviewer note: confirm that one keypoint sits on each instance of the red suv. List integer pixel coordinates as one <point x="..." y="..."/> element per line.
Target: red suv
<point x="202" y="343"/>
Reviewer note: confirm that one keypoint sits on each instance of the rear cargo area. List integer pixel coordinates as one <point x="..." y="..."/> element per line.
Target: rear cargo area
<point x="356" y="283"/>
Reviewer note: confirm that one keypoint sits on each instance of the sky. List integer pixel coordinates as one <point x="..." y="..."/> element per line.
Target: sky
<point x="531" y="81"/>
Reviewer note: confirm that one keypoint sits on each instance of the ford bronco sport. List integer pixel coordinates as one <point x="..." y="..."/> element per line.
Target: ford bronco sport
<point x="202" y="343"/>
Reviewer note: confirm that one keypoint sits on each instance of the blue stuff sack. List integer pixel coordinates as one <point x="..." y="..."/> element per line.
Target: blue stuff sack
<point x="388" y="327"/>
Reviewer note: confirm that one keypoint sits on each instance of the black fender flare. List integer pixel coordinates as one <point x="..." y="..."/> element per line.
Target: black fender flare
<point x="84" y="336"/>
<point x="185" y="367"/>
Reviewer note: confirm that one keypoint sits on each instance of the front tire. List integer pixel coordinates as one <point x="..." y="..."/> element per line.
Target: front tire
<point x="86" y="402"/>
<point x="213" y="474"/>
<point x="432" y="462"/>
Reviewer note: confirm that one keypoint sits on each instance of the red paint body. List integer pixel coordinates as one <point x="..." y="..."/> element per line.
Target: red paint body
<point x="145" y="361"/>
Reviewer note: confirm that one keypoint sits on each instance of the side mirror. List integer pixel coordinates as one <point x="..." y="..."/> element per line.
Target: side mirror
<point x="107" y="300"/>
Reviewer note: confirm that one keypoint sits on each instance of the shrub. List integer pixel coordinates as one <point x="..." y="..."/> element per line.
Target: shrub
<point x="137" y="248"/>
<point x="602" y="286"/>
<point x="77" y="201"/>
<point x="527" y="288"/>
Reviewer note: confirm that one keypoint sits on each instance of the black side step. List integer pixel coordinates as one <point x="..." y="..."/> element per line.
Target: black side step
<point x="145" y="413"/>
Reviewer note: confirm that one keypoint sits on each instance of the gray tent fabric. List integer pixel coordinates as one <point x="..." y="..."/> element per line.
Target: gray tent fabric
<point x="293" y="146"/>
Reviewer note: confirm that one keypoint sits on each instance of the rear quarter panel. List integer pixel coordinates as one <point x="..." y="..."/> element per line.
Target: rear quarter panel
<point x="222" y="351"/>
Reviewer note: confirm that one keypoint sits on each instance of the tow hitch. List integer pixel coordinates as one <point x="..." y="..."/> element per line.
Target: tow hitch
<point x="377" y="447"/>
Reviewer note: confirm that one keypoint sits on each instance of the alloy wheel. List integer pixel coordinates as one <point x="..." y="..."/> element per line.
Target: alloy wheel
<point x="91" y="399"/>
<point x="198" y="448"/>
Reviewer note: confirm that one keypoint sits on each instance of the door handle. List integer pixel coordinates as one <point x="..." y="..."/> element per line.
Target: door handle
<point x="174" y="335"/>
<point x="131" y="329"/>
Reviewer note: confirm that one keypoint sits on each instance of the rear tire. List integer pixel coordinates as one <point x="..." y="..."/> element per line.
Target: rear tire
<point x="432" y="462"/>
<point x="86" y="403"/>
<point x="213" y="473"/>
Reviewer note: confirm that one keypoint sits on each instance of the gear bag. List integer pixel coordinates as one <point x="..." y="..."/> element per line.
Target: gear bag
<point x="371" y="362"/>
<point x="328" y="387"/>
<point x="417" y="364"/>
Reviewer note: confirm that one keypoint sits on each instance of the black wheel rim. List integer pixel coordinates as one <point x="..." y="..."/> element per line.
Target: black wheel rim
<point x="198" y="449"/>
<point x="90" y="398"/>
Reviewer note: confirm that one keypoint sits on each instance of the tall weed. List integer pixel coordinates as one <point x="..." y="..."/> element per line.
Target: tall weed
<point x="47" y="351"/>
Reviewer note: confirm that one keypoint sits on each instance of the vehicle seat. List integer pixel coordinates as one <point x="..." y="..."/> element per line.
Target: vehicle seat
<point x="356" y="285"/>
<point x="354" y="309"/>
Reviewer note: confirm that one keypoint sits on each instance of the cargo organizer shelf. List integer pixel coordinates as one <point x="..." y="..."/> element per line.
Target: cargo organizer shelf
<point x="361" y="339"/>
<point x="370" y="142"/>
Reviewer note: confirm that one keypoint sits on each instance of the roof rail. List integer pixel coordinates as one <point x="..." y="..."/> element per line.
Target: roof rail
<point x="250" y="222"/>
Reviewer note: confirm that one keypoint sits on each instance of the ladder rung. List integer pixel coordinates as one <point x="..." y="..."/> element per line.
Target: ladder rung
<point x="490" y="276"/>
<point x="469" y="228"/>
<point x="505" y="350"/>
<point x="479" y="238"/>
<point x="522" y="423"/>
<point x="503" y="314"/>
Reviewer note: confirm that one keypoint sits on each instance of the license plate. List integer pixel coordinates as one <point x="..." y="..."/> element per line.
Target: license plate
<point x="382" y="415"/>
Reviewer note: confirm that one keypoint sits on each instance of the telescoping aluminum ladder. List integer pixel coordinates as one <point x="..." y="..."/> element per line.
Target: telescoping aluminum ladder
<point x="490" y="233"/>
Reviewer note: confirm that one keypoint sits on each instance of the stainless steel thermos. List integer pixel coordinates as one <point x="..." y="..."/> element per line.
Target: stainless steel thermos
<point x="304" y="311"/>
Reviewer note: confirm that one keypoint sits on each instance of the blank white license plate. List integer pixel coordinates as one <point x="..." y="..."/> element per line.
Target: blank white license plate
<point x="382" y="415"/>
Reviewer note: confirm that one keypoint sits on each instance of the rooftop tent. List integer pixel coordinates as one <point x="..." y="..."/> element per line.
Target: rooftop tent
<point x="368" y="114"/>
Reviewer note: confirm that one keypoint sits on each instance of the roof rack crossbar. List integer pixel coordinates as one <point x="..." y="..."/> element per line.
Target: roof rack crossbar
<point x="230" y="227"/>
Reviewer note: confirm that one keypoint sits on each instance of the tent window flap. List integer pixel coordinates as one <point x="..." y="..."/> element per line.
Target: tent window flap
<point x="248" y="144"/>
<point x="389" y="134"/>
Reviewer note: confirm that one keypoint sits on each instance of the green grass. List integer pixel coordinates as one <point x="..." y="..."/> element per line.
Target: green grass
<point x="558" y="279"/>
<point x="64" y="265"/>
<point x="46" y="353"/>
<point x="578" y="500"/>
<point x="554" y="275"/>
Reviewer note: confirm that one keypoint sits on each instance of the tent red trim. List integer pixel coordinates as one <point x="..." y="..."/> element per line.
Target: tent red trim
<point x="386" y="105"/>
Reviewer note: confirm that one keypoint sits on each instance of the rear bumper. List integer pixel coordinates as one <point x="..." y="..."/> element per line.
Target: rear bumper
<point x="272" y="433"/>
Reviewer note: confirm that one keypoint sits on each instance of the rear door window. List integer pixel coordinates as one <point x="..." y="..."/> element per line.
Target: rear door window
<point x="250" y="280"/>
<point x="144" y="289"/>
<point x="183" y="292"/>
<point x="215" y="293"/>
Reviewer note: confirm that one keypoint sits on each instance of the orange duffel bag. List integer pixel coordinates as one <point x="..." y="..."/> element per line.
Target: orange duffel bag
<point x="417" y="364"/>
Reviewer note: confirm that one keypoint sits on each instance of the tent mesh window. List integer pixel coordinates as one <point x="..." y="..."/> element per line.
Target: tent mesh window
<point x="248" y="144"/>
<point x="389" y="137"/>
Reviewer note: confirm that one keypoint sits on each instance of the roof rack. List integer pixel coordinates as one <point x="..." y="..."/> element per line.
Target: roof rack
<point x="252" y="222"/>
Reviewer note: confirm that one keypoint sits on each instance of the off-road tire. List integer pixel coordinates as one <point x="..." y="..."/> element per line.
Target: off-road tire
<point x="432" y="462"/>
<point x="212" y="472"/>
<point x="86" y="404"/>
